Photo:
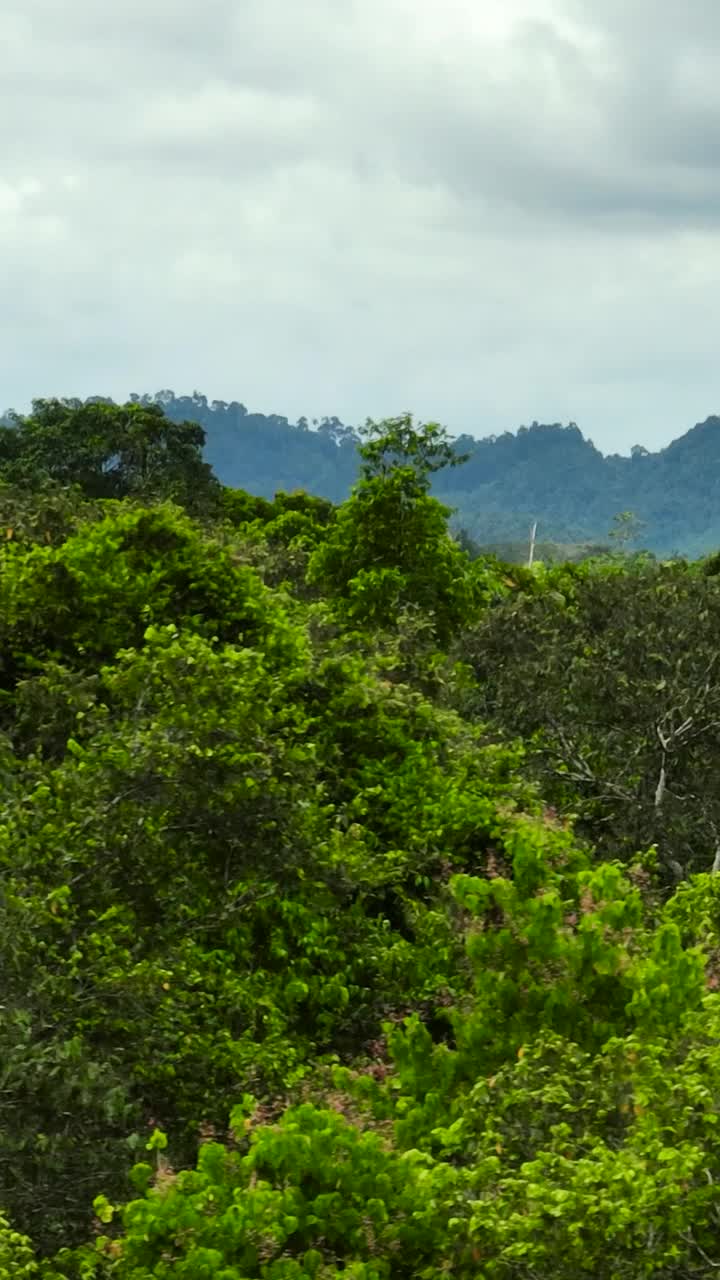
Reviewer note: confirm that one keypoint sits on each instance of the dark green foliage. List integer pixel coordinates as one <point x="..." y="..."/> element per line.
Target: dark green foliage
<point x="108" y="451"/>
<point x="611" y="673"/>
<point x="240" y="508"/>
<point x="45" y="514"/>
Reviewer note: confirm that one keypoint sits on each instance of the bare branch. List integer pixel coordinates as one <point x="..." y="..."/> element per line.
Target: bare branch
<point x="660" y="788"/>
<point x="690" y="1239"/>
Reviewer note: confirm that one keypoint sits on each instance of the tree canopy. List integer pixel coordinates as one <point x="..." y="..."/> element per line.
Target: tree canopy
<point x="359" y="903"/>
<point x="107" y="451"/>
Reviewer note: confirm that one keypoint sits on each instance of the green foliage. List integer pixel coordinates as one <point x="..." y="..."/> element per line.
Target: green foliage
<point x="312" y="967"/>
<point x="279" y="537"/>
<point x="222" y="853"/>
<point x="397" y="443"/>
<point x="243" y="509"/>
<point x="99" y="591"/>
<point x="587" y="1150"/>
<point x="108" y="451"/>
<point x="609" y="671"/>
<point x="46" y="514"/>
<point x="240" y="508"/>
<point x="390" y="547"/>
<point x="16" y="1256"/>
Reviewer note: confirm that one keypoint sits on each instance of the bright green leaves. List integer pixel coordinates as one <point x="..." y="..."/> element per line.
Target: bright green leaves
<point x="17" y="1261"/>
<point x="104" y="1211"/>
<point x="669" y="982"/>
<point x="573" y="957"/>
<point x="564" y="1163"/>
<point x="105" y="585"/>
<point x="249" y="853"/>
<point x="309" y="1195"/>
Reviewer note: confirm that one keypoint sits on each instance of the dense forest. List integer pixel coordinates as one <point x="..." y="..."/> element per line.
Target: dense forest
<point x="360" y="897"/>
<point x="545" y="473"/>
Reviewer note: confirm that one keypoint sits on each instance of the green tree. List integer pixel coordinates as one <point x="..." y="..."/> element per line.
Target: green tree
<point x="608" y="673"/>
<point x="390" y="547"/>
<point x="225" y="834"/>
<point x="283" y="858"/>
<point x="108" y="451"/>
<point x="626" y="530"/>
<point x="535" y="1144"/>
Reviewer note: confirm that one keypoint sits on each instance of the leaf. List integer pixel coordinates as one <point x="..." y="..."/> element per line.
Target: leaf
<point x="104" y="1211"/>
<point x="157" y="1142"/>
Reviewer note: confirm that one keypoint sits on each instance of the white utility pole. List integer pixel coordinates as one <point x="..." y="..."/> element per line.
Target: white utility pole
<point x="531" y="555"/>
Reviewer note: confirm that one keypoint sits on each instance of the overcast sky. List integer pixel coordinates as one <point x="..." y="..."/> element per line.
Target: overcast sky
<point x="484" y="212"/>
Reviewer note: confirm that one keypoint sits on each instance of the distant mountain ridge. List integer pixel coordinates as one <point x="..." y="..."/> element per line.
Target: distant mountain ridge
<point x="554" y="475"/>
<point x="545" y="472"/>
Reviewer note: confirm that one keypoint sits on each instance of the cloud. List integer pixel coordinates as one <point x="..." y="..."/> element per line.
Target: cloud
<point x="486" y="213"/>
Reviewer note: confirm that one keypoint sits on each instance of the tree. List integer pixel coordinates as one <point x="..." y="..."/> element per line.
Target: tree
<point x="108" y="451"/>
<point x="568" y="1129"/>
<point x="399" y="443"/>
<point x="626" y="530"/>
<point x="200" y="789"/>
<point x="390" y="547"/>
<point x="608" y="672"/>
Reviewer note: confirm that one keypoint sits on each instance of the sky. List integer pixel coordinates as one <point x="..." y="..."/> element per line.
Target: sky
<point x="484" y="213"/>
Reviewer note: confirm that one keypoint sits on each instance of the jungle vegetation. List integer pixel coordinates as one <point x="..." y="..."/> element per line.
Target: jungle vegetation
<point x="359" y="897"/>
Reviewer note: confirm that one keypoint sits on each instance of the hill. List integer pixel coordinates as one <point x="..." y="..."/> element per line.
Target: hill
<point x="545" y="472"/>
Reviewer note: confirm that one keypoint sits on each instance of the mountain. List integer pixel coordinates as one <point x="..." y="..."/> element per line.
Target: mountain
<point x="545" y="472"/>
<point x="264" y="453"/>
<point x="554" y="475"/>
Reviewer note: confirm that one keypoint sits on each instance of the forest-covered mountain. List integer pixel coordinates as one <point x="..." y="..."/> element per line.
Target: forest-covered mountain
<point x="545" y="472"/>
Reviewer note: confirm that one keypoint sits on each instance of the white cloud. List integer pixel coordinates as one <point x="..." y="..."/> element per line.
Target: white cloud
<point x="485" y="213"/>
